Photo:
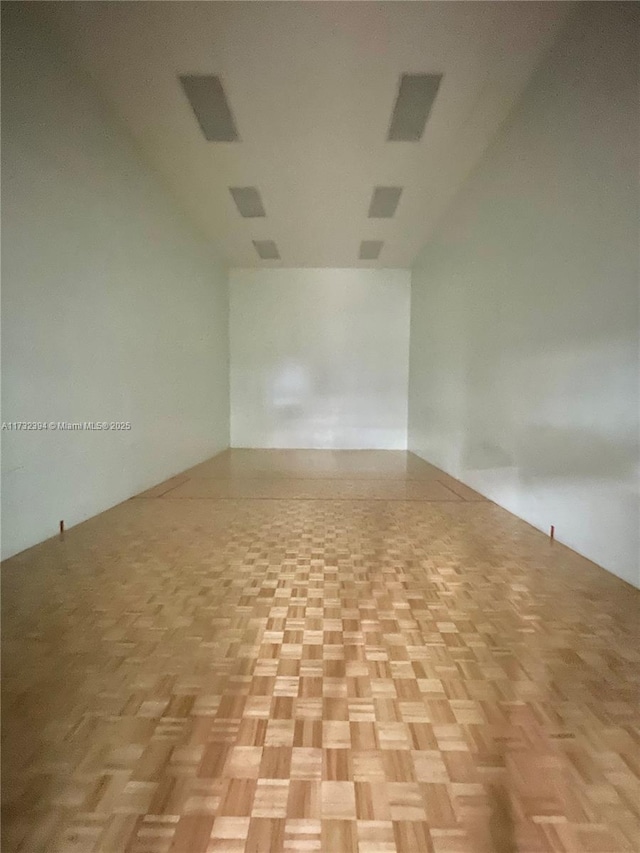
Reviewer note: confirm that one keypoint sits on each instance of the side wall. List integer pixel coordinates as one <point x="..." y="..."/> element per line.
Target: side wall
<point x="525" y="305"/>
<point x="319" y="358"/>
<point x="112" y="310"/>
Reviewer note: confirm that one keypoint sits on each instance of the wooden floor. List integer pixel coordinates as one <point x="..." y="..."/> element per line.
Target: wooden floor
<point x="313" y="651"/>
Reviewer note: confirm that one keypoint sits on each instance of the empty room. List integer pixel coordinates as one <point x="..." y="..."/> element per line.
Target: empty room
<point x="320" y="427"/>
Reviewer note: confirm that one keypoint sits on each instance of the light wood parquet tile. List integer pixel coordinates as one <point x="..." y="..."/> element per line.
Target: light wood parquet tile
<point x="317" y="651"/>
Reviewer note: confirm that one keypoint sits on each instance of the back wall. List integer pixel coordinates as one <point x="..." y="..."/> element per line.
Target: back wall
<point x="319" y="358"/>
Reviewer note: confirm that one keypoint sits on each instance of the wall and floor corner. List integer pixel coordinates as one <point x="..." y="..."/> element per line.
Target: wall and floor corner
<point x="113" y="310"/>
<point x="524" y="319"/>
<point x="319" y="358"/>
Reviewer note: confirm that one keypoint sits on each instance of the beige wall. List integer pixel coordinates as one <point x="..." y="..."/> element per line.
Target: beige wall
<point x="524" y="331"/>
<point x="319" y="358"/>
<point x="111" y="309"/>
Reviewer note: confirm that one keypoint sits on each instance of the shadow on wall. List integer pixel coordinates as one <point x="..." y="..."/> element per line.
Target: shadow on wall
<point x="547" y="452"/>
<point x="290" y="389"/>
<point x="325" y="408"/>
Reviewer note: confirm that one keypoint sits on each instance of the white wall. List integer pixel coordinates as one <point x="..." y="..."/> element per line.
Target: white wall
<point x="319" y="358"/>
<point x="524" y="332"/>
<point x="112" y="309"/>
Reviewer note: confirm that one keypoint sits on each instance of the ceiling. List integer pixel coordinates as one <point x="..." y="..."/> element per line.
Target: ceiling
<point x="311" y="86"/>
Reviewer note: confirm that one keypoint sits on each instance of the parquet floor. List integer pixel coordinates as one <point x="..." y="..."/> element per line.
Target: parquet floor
<point x="306" y="651"/>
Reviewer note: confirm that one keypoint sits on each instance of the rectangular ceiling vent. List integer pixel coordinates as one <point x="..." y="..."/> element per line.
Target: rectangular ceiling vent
<point x="267" y="250"/>
<point x="248" y="202"/>
<point x="416" y="95"/>
<point x="384" y="202"/>
<point x="370" y="250"/>
<point x="209" y="103"/>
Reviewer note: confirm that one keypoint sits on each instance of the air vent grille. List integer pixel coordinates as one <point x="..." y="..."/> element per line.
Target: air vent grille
<point x="416" y="95"/>
<point x="210" y="106"/>
<point x="248" y="202"/>
<point x="370" y="250"/>
<point x="267" y="250"/>
<point x="384" y="202"/>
